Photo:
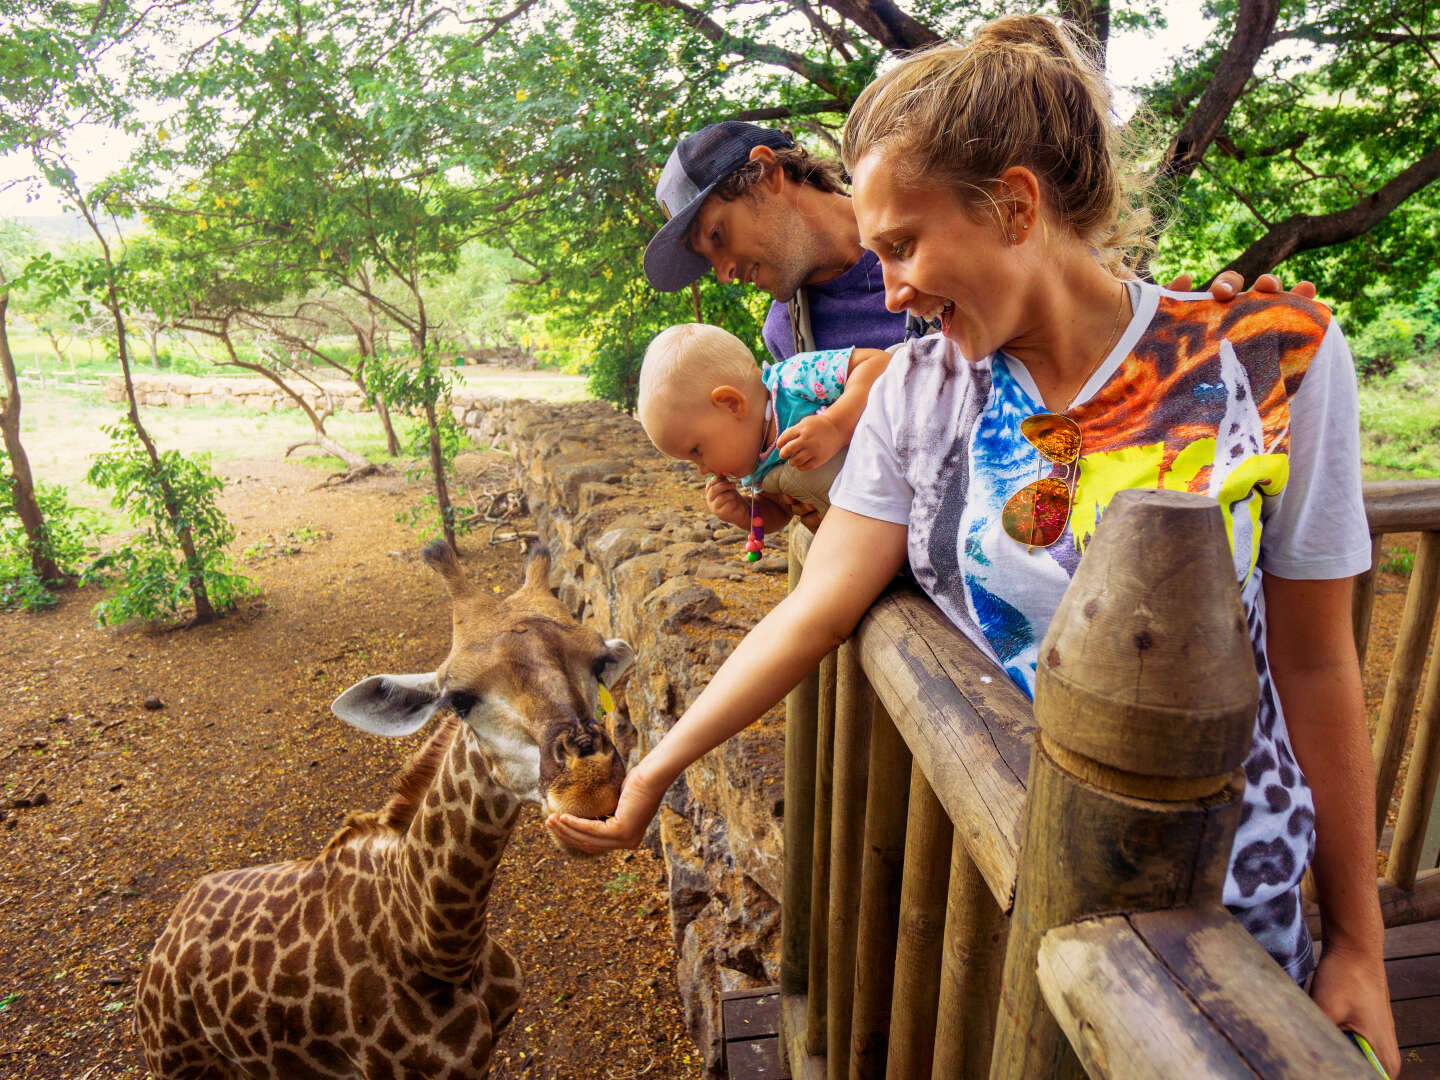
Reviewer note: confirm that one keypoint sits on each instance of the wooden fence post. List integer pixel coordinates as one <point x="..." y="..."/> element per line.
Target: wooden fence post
<point x="886" y="799"/>
<point x="854" y="702"/>
<point x="815" y="1022"/>
<point x="801" y="707"/>
<point x="1145" y="702"/>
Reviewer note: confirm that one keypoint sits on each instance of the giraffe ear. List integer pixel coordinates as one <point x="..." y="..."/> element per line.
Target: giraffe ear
<point x="389" y="705"/>
<point x="617" y="662"/>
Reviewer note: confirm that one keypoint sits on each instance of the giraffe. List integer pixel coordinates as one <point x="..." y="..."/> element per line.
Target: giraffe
<point x="374" y="959"/>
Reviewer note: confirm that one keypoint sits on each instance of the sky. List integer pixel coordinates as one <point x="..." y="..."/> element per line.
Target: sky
<point x="1133" y="59"/>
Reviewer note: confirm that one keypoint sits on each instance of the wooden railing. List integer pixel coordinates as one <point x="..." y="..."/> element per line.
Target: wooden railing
<point x="953" y="859"/>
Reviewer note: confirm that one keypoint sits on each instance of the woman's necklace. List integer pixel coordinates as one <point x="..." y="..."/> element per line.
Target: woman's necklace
<point x="1109" y="344"/>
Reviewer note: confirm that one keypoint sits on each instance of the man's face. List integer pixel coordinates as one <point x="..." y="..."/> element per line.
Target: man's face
<point x="757" y="239"/>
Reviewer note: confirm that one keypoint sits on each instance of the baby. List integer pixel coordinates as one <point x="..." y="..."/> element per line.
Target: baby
<point x="783" y="431"/>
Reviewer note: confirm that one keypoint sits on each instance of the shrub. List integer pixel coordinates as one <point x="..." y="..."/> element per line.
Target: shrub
<point x="69" y="533"/>
<point x="150" y="577"/>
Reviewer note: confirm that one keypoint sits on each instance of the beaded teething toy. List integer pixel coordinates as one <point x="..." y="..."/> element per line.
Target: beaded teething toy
<point x="756" y="543"/>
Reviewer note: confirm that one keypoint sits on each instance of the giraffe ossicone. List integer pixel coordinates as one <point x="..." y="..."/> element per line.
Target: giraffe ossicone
<point x="373" y="959"/>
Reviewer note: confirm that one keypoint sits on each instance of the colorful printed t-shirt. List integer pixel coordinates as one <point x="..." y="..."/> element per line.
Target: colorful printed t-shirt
<point x="1252" y="403"/>
<point x="846" y="311"/>
<point x="799" y="387"/>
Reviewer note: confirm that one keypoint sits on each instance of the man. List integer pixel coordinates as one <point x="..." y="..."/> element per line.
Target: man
<point x="749" y="202"/>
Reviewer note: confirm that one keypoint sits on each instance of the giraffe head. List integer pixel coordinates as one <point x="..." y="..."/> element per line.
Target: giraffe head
<point x="525" y="676"/>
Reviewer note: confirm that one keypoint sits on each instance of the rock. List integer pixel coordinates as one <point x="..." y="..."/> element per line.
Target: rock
<point x="152" y="703"/>
<point x="679" y="601"/>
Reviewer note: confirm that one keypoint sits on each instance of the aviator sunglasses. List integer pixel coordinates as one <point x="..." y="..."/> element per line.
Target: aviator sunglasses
<point x="1036" y="514"/>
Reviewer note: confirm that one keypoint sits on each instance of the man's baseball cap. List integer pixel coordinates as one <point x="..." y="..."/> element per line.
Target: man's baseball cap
<point x="698" y="162"/>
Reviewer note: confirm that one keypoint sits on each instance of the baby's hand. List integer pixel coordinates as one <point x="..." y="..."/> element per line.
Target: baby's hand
<point x="726" y="503"/>
<point x="811" y="442"/>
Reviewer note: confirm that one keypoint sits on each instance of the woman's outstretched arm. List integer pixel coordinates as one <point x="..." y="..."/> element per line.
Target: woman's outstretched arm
<point x="852" y="559"/>
<point x="1311" y="651"/>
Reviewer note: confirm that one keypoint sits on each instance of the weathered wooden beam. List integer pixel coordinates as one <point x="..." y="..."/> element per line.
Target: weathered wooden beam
<point x="1419" y="797"/>
<point x="1185" y="993"/>
<point x="1416" y="625"/>
<point x="928" y="840"/>
<point x="886" y="799"/>
<point x="801" y="710"/>
<point x="820" y="867"/>
<point x="966" y="723"/>
<point x="854" y="703"/>
<point x="1402" y="505"/>
<point x="1145" y="699"/>
<point x="1398" y="907"/>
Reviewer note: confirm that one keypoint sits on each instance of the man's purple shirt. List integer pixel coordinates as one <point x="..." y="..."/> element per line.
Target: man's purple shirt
<point x="848" y="311"/>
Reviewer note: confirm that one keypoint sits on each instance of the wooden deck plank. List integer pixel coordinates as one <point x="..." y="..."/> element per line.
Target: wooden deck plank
<point x="750" y="1017"/>
<point x="1417" y="1021"/>
<point x="755" y="1059"/>
<point x="1421" y="1062"/>
<point x="1417" y="939"/>
<point x="1413" y="977"/>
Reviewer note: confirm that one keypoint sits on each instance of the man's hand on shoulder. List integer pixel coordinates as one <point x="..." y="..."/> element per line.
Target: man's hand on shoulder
<point x="1229" y="284"/>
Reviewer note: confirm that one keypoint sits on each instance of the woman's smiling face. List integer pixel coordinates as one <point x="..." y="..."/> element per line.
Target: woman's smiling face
<point x="938" y="258"/>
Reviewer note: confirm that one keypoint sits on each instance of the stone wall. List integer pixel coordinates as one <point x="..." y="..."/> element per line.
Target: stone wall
<point x="637" y="555"/>
<point x="182" y="391"/>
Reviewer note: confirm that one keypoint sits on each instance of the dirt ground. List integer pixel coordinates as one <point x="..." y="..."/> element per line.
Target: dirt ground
<point x="244" y="764"/>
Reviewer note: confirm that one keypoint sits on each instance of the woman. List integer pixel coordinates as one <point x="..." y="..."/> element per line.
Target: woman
<point x="988" y="182"/>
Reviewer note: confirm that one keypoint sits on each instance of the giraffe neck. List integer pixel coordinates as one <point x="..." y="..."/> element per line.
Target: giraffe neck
<point x="444" y="866"/>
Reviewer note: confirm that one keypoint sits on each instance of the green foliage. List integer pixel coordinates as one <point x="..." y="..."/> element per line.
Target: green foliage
<point x="1399" y="423"/>
<point x="1405" y="328"/>
<point x="150" y="577"/>
<point x="69" y="536"/>
<point x="1401" y="561"/>
<point x="1343" y="101"/>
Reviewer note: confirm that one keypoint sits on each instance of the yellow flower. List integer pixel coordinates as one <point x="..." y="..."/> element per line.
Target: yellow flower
<point x="721" y="66"/>
<point x="521" y="94"/>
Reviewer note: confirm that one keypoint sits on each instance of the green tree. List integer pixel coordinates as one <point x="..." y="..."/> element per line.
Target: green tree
<point x="327" y="135"/>
<point x="57" y="73"/>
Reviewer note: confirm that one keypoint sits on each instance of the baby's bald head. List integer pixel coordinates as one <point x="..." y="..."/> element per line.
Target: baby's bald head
<point x="685" y="363"/>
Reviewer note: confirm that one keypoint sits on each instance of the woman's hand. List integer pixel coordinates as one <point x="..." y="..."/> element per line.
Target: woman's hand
<point x="725" y="502"/>
<point x="639" y="799"/>
<point x="811" y="442"/>
<point x="1350" y="989"/>
<point x="1229" y="284"/>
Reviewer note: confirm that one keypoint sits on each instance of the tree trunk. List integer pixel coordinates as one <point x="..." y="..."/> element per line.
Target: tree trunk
<point x="437" y="466"/>
<point x="1092" y="16"/>
<point x="1254" y="23"/>
<point x="22" y="484"/>
<point x="392" y="444"/>
<point x="353" y="461"/>
<point x="204" y="611"/>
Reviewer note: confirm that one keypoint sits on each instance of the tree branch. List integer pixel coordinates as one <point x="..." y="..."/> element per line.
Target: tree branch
<point x="802" y="108"/>
<point x="886" y="23"/>
<point x="1302" y="232"/>
<point x="1253" y="26"/>
<point x="754" y="50"/>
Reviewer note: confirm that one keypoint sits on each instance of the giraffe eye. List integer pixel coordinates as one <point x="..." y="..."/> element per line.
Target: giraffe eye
<point x="462" y="702"/>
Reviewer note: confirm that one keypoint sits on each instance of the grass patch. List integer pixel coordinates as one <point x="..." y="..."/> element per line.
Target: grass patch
<point x="1400" y="421"/>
